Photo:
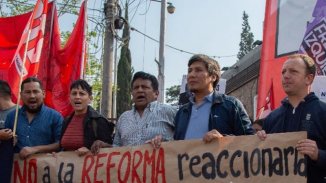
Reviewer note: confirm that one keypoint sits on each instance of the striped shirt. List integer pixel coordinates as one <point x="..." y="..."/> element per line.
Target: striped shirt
<point x="73" y="138"/>
<point x="133" y="129"/>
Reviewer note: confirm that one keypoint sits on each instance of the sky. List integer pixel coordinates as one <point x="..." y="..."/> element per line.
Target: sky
<point x="210" y="27"/>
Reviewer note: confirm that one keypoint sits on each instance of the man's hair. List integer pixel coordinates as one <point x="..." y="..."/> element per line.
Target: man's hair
<point x="145" y="76"/>
<point x="211" y="65"/>
<point x="308" y="61"/>
<point x="5" y="90"/>
<point x="29" y="80"/>
<point x="83" y="85"/>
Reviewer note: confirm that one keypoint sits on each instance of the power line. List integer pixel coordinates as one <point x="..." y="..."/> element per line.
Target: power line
<point x="172" y="47"/>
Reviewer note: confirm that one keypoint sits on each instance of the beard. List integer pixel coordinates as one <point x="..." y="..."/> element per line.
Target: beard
<point x="33" y="111"/>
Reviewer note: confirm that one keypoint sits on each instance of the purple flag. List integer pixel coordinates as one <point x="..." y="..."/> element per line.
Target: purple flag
<point x="314" y="41"/>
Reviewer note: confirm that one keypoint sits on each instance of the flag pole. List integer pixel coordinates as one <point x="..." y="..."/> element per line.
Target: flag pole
<point x="21" y="73"/>
<point x="82" y="74"/>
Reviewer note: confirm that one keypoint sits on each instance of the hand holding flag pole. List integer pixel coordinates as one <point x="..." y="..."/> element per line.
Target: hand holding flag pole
<point x="21" y="75"/>
<point x="33" y="43"/>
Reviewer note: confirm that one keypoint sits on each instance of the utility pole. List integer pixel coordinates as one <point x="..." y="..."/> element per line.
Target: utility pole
<point x="106" y="104"/>
<point x="161" y="64"/>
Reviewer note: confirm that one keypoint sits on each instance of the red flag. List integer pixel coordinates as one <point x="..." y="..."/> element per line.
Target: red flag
<point x="269" y="104"/>
<point x="11" y="29"/>
<point x="62" y="66"/>
<point x="57" y="68"/>
<point x="285" y="25"/>
<point x="27" y="56"/>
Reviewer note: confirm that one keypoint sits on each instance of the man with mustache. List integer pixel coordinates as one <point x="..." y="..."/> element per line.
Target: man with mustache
<point x="301" y="110"/>
<point x="148" y="121"/>
<point x="209" y="115"/>
<point x="38" y="126"/>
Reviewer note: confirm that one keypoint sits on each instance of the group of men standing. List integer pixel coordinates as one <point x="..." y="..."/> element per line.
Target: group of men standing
<point x="208" y="115"/>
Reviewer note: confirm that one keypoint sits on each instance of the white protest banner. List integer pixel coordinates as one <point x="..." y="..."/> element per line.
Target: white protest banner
<point x="229" y="159"/>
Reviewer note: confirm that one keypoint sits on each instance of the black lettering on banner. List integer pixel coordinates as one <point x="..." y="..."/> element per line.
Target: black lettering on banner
<point x="180" y="157"/>
<point x="287" y="151"/>
<point x="267" y="151"/>
<point x="46" y="175"/>
<point x="278" y="162"/>
<point x="298" y="164"/>
<point x="68" y="176"/>
<point x="193" y="162"/>
<point x="237" y="153"/>
<point x="246" y="164"/>
<point x="210" y="165"/>
<point x="224" y="153"/>
<point x="258" y="162"/>
<point x="256" y="152"/>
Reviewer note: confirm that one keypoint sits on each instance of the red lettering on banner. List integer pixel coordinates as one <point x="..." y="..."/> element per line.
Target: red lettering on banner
<point x="160" y="168"/>
<point x="29" y="173"/>
<point x="87" y="168"/>
<point x="17" y="173"/>
<point x="110" y="165"/>
<point x="135" y="164"/>
<point x="98" y="165"/>
<point x="150" y="160"/>
<point x="127" y="171"/>
<point x="32" y="170"/>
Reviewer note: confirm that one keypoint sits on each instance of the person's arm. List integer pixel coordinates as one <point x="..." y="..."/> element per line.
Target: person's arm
<point x="168" y="136"/>
<point x="242" y="123"/>
<point x="27" y="151"/>
<point x="6" y="134"/>
<point x="117" y="136"/>
<point x="212" y="135"/>
<point x="104" y="135"/>
<point x="104" y="130"/>
<point x="321" y="161"/>
<point x="309" y="147"/>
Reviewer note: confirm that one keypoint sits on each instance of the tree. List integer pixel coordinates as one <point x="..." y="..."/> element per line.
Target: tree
<point x="172" y="94"/>
<point x="124" y="72"/>
<point x="247" y="37"/>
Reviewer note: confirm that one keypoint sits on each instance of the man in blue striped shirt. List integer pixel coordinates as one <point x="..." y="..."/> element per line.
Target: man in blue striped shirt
<point x="38" y="126"/>
<point x="148" y="121"/>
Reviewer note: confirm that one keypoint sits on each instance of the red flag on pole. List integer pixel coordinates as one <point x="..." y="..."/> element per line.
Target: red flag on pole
<point x="11" y="30"/>
<point x="56" y="67"/>
<point x="60" y="67"/>
<point x="269" y="104"/>
<point x="285" y="26"/>
<point x="27" y="56"/>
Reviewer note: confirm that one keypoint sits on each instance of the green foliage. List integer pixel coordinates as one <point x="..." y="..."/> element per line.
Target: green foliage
<point x="12" y="8"/>
<point x="172" y="94"/>
<point x="124" y="73"/>
<point x="247" y="37"/>
<point x="94" y="71"/>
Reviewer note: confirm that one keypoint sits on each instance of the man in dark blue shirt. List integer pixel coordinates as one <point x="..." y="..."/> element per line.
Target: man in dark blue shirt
<point x="38" y="126"/>
<point x="301" y="111"/>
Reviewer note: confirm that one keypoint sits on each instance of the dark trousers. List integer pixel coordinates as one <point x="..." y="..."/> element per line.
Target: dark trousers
<point x="6" y="160"/>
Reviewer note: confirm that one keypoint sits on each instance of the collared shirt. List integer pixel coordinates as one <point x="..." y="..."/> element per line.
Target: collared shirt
<point x="3" y="115"/>
<point x="133" y="129"/>
<point x="198" y="123"/>
<point x="44" y="129"/>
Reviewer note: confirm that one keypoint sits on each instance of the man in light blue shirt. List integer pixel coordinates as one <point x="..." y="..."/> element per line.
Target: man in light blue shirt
<point x="209" y="115"/>
<point x="198" y="123"/>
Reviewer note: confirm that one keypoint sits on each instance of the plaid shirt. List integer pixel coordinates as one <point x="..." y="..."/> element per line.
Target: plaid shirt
<point x="133" y="129"/>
